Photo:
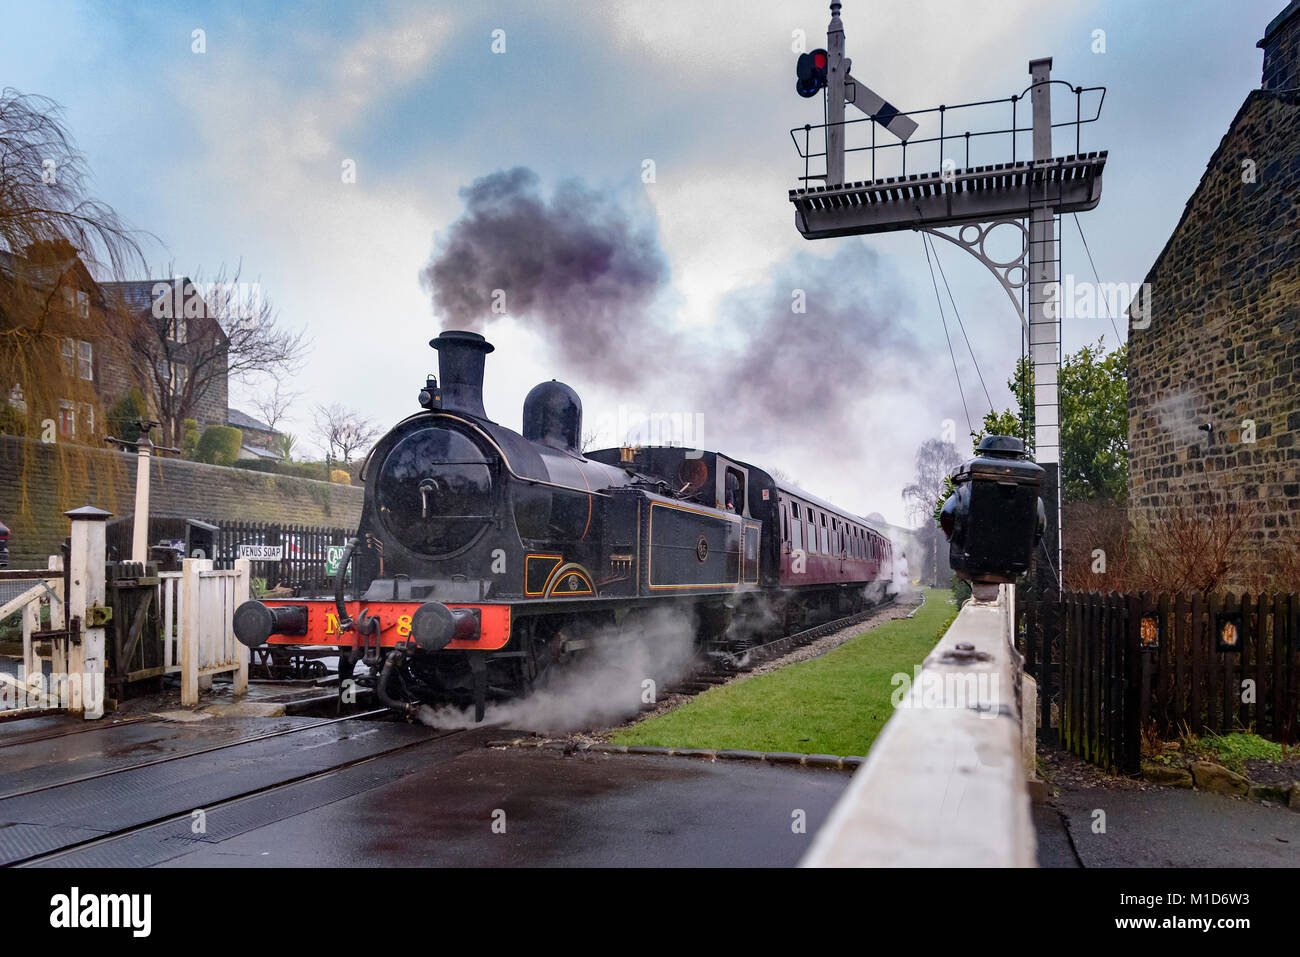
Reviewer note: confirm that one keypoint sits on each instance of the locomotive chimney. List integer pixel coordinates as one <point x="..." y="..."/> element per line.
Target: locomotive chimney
<point x="460" y="369"/>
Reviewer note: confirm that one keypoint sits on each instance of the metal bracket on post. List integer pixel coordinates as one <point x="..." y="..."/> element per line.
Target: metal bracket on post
<point x="98" y="616"/>
<point x="1002" y="271"/>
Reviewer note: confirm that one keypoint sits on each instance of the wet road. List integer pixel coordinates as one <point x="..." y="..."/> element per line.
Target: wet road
<point x="495" y="808"/>
<point x="382" y="793"/>
<point x="1171" y="827"/>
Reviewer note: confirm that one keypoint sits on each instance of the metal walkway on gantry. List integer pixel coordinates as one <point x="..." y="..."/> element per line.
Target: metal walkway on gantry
<point x="1067" y="184"/>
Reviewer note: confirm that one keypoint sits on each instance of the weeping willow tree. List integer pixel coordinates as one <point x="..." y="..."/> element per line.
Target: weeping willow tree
<point x="56" y="243"/>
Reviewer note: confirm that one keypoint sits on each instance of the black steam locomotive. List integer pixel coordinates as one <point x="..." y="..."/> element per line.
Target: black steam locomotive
<point x="484" y="557"/>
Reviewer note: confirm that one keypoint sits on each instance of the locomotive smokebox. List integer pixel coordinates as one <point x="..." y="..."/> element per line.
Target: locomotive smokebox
<point x="994" y="520"/>
<point x="553" y="416"/>
<point x="460" y="367"/>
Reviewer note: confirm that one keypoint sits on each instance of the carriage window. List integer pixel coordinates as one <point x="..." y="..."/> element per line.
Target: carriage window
<point x="826" y="541"/>
<point x="785" y="526"/>
<point x="812" y="537"/>
<point x="797" y="541"/>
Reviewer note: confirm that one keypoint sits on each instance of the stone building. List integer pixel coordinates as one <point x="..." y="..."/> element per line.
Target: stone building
<point x="105" y="340"/>
<point x="180" y="354"/>
<point x="76" y="365"/>
<point x="1214" y="373"/>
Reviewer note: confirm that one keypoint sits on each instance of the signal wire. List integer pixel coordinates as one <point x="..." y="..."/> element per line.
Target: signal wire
<point x="938" y="262"/>
<point x="948" y="338"/>
<point x="1119" y="340"/>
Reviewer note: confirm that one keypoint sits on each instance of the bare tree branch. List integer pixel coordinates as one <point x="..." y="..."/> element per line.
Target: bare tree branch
<point x="194" y="333"/>
<point x="343" y="431"/>
<point x="54" y="239"/>
<point x="273" y="407"/>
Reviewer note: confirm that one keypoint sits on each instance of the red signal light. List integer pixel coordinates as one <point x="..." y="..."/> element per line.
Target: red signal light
<point x="811" y="72"/>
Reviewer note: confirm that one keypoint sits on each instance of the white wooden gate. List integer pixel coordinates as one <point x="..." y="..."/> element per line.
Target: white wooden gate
<point x="199" y="635"/>
<point x="30" y="688"/>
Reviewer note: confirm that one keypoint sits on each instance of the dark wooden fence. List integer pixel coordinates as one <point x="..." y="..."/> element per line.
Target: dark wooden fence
<point x="1110" y="667"/>
<point x="304" y="553"/>
<point x="304" y="549"/>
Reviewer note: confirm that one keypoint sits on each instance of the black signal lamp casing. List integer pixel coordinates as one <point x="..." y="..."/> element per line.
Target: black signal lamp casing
<point x="810" y="72"/>
<point x="994" y="519"/>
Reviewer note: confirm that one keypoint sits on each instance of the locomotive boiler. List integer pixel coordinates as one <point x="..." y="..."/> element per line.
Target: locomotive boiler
<point x="485" y="556"/>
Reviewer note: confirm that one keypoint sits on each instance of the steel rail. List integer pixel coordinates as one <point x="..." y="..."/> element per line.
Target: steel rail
<point x="190" y="754"/>
<point x="246" y="795"/>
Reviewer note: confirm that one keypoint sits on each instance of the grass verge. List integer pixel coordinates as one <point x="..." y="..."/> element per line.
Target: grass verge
<point x="835" y="704"/>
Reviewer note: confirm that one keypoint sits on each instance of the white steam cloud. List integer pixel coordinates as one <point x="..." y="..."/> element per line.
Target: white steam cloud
<point x="607" y="684"/>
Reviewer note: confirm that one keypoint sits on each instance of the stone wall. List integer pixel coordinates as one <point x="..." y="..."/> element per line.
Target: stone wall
<point x="1223" y="344"/>
<point x="39" y="482"/>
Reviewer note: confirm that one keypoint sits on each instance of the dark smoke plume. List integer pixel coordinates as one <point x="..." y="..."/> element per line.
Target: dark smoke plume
<point x="583" y="265"/>
<point x="809" y="374"/>
<point x="584" y="269"/>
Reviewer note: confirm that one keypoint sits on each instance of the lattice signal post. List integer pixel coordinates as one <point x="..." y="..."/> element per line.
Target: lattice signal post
<point x="1028" y="194"/>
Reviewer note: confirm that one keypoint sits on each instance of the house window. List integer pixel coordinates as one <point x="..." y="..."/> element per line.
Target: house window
<point x="175" y="375"/>
<point x="67" y="419"/>
<point x="86" y="361"/>
<point x="69" y="357"/>
<point x="177" y="333"/>
<point x="77" y="301"/>
<point x="86" y="413"/>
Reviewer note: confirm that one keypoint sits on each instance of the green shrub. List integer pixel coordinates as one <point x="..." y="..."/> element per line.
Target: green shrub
<point x="190" y="438"/>
<point x="219" y="445"/>
<point x="307" y="470"/>
<point x="125" y="414"/>
<point x="12" y="422"/>
<point x="960" y="589"/>
<point x="257" y="465"/>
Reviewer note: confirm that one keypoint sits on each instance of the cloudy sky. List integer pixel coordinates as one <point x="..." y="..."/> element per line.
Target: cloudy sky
<point x="525" y="167"/>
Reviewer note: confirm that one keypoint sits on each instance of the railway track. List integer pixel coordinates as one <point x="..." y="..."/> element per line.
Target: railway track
<point x="145" y="813"/>
<point x="18" y="740"/>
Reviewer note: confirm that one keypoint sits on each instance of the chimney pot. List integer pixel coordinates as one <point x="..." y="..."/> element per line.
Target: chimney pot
<point x="1281" y="46"/>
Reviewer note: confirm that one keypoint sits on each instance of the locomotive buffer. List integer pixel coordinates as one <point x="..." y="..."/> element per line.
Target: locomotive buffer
<point x="1027" y="193"/>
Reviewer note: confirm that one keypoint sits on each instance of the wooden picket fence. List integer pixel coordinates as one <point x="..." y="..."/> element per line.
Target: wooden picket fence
<point x="1110" y="667"/>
